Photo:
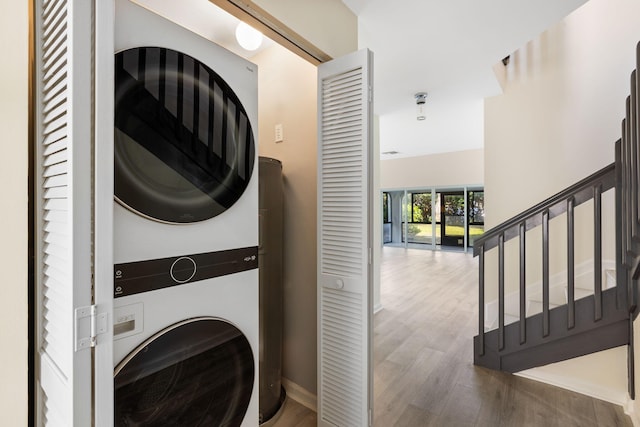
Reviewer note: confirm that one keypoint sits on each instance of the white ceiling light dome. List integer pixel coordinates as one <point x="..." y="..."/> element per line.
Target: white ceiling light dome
<point x="248" y="37"/>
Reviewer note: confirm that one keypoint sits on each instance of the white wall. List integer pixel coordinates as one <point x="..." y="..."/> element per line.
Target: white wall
<point x="287" y="95"/>
<point x="557" y="122"/>
<point x="456" y="168"/>
<point x="14" y="24"/>
<point x="560" y="114"/>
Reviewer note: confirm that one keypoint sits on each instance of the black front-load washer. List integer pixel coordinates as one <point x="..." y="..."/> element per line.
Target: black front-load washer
<point x="198" y="372"/>
<point x="184" y="146"/>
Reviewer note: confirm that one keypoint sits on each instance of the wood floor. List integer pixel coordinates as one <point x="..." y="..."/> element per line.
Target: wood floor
<point x="423" y="370"/>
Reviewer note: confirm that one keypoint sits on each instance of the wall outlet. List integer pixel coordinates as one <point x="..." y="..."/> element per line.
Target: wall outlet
<point x="279" y="133"/>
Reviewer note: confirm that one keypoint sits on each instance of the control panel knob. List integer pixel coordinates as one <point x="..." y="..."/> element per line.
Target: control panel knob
<point x="183" y="269"/>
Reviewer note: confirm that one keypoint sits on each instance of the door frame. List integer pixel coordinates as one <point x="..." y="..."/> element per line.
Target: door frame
<point x="443" y="221"/>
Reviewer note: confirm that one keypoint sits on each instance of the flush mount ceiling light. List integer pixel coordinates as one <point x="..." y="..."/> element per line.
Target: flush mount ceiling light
<point x="421" y="98"/>
<point x="248" y="37"/>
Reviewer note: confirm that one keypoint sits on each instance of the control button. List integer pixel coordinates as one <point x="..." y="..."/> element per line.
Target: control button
<point x="183" y="269"/>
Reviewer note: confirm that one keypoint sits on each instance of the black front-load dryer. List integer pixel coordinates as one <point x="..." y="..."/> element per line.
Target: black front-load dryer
<point x="198" y="372"/>
<point x="184" y="146"/>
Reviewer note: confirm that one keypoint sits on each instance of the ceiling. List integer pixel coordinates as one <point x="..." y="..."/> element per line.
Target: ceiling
<point x="445" y="48"/>
<point x="448" y="49"/>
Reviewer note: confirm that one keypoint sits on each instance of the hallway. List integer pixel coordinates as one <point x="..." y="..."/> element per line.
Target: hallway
<point x="423" y="370"/>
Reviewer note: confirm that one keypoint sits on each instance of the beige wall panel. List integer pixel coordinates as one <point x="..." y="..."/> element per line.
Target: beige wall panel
<point x="457" y="168"/>
<point x="313" y="19"/>
<point x="14" y="30"/>
<point x="287" y="96"/>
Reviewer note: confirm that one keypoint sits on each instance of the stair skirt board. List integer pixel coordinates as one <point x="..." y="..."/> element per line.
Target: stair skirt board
<point x="588" y="336"/>
<point x="557" y="292"/>
<point x="610" y="336"/>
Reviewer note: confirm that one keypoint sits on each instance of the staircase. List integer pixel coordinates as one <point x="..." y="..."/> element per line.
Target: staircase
<point x="558" y="294"/>
<point x="575" y="315"/>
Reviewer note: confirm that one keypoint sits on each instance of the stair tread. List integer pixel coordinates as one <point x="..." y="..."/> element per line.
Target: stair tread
<point x="508" y="319"/>
<point x="557" y="295"/>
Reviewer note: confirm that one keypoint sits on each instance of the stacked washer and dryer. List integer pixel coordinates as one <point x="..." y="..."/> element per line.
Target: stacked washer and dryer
<point x="185" y="228"/>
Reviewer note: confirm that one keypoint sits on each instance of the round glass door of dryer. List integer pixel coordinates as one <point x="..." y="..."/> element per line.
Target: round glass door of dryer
<point x="199" y="372"/>
<point x="184" y="147"/>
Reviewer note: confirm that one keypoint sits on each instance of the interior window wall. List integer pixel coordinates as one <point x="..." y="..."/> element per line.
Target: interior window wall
<point x="433" y="218"/>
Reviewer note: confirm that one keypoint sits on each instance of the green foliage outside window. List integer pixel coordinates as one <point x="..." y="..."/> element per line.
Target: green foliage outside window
<point x="421" y="207"/>
<point x="386" y="211"/>
<point x="454" y="205"/>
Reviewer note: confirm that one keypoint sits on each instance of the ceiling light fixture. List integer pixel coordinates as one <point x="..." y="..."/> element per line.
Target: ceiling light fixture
<point x="248" y="37"/>
<point x="421" y="98"/>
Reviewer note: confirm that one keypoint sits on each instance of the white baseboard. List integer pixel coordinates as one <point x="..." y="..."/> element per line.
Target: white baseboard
<point x="589" y="389"/>
<point x="629" y="409"/>
<point x="300" y="394"/>
<point x="377" y="308"/>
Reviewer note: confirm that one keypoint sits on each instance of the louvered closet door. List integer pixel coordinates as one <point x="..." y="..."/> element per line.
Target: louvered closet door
<point x="63" y="208"/>
<point x="344" y="241"/>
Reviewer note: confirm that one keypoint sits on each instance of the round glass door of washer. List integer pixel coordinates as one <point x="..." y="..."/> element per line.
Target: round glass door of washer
<point x="184" y="147"/>
<point x="199" y="372"/>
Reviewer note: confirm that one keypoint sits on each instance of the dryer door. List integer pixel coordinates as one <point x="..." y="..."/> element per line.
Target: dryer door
<point x="184" y="147"/>
<point x="199" y="372"/>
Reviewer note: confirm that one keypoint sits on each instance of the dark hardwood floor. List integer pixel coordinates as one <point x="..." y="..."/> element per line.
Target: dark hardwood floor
<point x="423" y="370"/>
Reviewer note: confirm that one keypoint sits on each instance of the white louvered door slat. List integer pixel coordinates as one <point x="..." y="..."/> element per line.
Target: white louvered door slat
<point x="344" y="241"/>
<point x="63" y="196"/>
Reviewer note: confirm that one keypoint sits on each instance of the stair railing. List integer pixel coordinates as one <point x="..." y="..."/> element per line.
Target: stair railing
<point x="627" y="188"/>
<point x="624" y="175"/>
<point x="590" y="188"/>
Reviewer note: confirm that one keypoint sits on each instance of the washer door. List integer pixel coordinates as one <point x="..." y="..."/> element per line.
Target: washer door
<point x="199" y="372"/>
<point x="184" y="148"/>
